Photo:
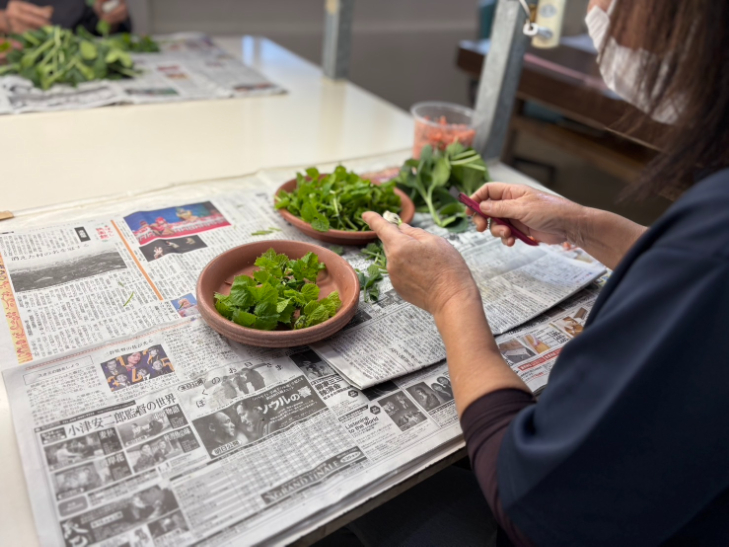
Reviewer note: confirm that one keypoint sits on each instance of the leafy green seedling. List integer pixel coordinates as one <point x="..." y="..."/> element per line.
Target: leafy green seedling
<point x="369" y="282"/>
<point x="337" y="201"/>
<point x="282" y="292"/>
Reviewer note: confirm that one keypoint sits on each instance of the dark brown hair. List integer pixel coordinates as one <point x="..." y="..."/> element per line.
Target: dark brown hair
<point x="689" y="40"/>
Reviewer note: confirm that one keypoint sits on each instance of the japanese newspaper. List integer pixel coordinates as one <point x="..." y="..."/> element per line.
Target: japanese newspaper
<point x="188" y="67"/>
<point x="140" y="425"/>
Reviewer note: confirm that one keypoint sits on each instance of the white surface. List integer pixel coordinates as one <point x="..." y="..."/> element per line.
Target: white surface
<point x="51" y="158"/>
<point x="48" y="159"/>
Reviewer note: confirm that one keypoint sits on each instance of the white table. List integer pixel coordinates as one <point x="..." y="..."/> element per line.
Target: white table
<point x="50" y="158"/>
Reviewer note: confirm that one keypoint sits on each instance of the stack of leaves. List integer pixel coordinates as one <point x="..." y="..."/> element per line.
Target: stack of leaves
<point x="282" y="292"/>
<point x="428" y="180"/>
<point x="337" y="201"/>
<point x="53" y="55"/>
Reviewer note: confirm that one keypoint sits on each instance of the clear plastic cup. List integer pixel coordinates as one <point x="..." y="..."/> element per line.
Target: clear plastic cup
<point x="440" y="124"/>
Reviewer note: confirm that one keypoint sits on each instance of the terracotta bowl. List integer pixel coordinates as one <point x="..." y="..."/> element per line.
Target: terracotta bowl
<point x="219" y="273"/>
<point x="342" y="237"/>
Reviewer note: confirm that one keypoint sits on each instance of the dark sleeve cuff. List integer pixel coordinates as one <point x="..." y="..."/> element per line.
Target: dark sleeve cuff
<point x="484" y="425"/>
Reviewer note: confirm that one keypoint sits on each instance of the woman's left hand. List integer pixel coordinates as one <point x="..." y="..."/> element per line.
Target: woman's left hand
<point x="424" y="269"/>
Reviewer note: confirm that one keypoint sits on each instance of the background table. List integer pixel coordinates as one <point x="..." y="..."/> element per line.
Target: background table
<point x="51" y="158"/>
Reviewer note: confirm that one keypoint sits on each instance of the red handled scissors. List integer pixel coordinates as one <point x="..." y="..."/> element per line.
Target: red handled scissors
<point x="471" y="204"/>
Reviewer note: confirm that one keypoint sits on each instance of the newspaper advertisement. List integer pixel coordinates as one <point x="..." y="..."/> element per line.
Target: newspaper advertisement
<point x="188" y="67"/>
<point x="178" y="436"/>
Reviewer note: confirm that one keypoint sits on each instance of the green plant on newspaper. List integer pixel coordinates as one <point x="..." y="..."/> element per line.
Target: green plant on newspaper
<point x="54" y="55"/>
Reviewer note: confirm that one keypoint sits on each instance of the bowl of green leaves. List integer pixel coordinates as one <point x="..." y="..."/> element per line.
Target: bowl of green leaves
<point x="278" y="294"/>
<point x="329" y="206"/>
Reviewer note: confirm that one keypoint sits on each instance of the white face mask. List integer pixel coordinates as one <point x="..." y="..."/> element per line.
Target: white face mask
<point x="620" y="67"/>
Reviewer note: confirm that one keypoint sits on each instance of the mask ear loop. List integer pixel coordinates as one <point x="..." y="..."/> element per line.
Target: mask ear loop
<point x="530" y="28"/>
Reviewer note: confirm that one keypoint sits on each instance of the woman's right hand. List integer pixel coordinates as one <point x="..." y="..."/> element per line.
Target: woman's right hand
<point x="545" y="217"/>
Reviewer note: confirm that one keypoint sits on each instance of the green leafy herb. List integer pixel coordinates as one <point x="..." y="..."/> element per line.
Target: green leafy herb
<point x="369" y="282"/>
<point x="375" y="253"/>
<point x="337" y="249"/>
<point x="281" y="292"/>
<point x="128" y="300"/>
<point x="428" y="180"/>
<point x="53" y="55"/>
<point x="337" y="201"/>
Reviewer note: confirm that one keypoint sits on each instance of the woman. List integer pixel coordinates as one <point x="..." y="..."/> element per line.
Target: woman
<point x="628" y="444"/>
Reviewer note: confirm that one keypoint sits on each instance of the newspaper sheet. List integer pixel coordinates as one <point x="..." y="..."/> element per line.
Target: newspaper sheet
<point x="218" y="443"/>
<point x="139" y="425"/>
<point x="69" y="286"/>
<point x="390" y="338"/>
<point x="188" y="67"/>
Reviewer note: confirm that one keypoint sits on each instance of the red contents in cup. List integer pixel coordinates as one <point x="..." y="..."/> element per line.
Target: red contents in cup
<point x="441" y="135"/>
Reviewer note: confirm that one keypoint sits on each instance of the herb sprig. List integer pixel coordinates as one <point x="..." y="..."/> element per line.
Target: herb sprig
<point x="337" y="201"/>
<point x="376" y="253"/>
<point x="369" y="281"/>
<point x="281" y="292"/>
<point x="428" y="180"/>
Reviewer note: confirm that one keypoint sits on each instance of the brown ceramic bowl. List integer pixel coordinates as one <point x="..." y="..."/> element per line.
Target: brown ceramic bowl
<point x="219" y="273"/>
<point x="342" y="237"/>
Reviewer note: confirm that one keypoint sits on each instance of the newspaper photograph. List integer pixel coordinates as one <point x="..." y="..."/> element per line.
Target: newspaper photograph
<point x="188" y="67"/>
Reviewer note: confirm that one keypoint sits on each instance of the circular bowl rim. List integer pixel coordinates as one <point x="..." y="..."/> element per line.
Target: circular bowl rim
<point x="276" y="339"/>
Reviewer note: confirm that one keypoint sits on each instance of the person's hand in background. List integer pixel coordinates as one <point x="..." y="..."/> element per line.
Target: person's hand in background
<point x="552" y="219"/>
<point x="113" y="12"/>
<point x="424" y="269"/>
<point x="20" y="17"/>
